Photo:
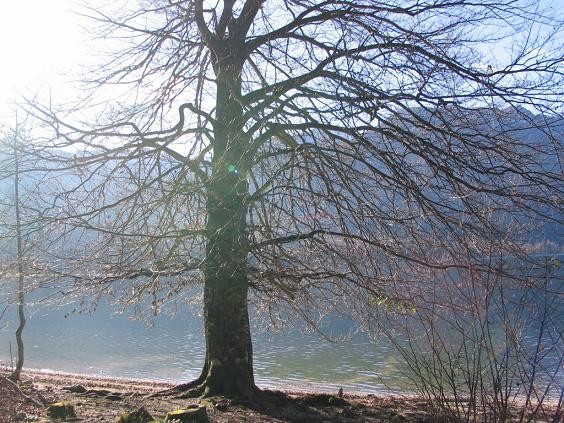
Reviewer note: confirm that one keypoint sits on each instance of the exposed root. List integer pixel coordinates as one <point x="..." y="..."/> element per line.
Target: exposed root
<point x="200" y="389"/>
<point x="251" y="399"/>
<point x="193" y="392"/>
<point x="178" y="389"/>
<point x="101" y="393"/>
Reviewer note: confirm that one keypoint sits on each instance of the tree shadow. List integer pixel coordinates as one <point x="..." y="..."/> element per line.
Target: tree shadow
<point x="303" y="407"/>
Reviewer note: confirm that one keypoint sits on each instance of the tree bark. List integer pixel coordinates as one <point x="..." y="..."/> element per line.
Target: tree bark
<point x="228" y="336"/>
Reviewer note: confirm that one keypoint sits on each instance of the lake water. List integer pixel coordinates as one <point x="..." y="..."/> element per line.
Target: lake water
<point x="173" y="350"/>
<point x="109" y="344"/>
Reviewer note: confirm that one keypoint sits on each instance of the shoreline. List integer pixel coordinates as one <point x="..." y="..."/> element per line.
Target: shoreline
<point x="60" y="378"/>
<point x="45" y="375"/>
<point x="105" y="398"/>
<point x="99" y="398"/>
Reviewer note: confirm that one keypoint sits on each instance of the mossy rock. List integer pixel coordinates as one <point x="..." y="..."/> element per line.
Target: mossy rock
<point x="141" y="415"/>
<point x="63" y="410"/>
<point x="192" y="414"/>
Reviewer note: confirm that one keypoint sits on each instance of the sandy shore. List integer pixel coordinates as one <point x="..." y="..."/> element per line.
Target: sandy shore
<point x="106" y="398"/>
<point x="57" y="379"/>
<point x="103" y="399"/>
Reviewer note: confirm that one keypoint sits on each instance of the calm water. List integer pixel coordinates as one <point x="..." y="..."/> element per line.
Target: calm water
<point x="110" y="344"/>
<point x="173" y="350"/>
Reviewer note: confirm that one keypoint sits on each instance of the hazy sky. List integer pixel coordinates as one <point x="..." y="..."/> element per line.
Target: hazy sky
<point x="42" y="43"/>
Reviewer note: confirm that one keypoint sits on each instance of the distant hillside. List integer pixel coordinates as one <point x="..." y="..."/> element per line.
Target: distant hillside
<point x="538" y="133"/>
<point x="537" y="138"/>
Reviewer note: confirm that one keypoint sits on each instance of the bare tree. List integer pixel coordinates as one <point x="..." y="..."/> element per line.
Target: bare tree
<point x="483" y="347"/>
<point x="323" y="154"/>
<point x="15" y="376"/>
<point x="24" y="245"/>
<point x="14" y="144"/>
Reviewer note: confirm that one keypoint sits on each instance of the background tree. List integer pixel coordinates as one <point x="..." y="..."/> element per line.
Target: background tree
<point x="324" y="156"/>
<point x="15" y="376"/>
<point x="29" y="241"/>
<point x="16" y="229"/>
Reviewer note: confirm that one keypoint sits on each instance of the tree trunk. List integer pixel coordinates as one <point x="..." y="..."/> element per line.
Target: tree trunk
<point x="228" y="336"/>
<point x="15" y="376"/>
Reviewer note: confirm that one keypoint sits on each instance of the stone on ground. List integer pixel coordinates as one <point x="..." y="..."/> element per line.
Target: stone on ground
<point x="192" y="414"/>
<point x="61" y="410"/>
<point x="141" y="415"/>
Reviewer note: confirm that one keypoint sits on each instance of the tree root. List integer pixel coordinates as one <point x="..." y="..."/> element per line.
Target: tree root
<point x="100" y="393"/>
<point x="194" y="391"/>
<point x="178" y="389"/>
<point x="199" y="389"/>
<point x="20" y="392"/>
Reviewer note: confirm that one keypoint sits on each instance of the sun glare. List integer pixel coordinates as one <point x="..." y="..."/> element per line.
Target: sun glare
<point x="38" y="44"/>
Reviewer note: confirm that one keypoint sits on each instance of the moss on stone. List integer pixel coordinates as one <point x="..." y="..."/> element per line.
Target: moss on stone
<point x="192" y="414"/>
<point x="61" y="410"/>
<point x="141" y="415"/>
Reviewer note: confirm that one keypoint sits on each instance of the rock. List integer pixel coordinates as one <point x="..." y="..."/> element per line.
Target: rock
<point x="192" y="414"/>
<point x="141" y="415"/>
<point x="61" y="410"/>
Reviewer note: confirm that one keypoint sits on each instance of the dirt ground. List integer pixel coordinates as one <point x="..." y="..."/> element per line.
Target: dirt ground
<point x="104" y="399"/>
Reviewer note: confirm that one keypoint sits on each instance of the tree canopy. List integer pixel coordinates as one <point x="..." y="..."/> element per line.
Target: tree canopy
<point x="318" y="155"/>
